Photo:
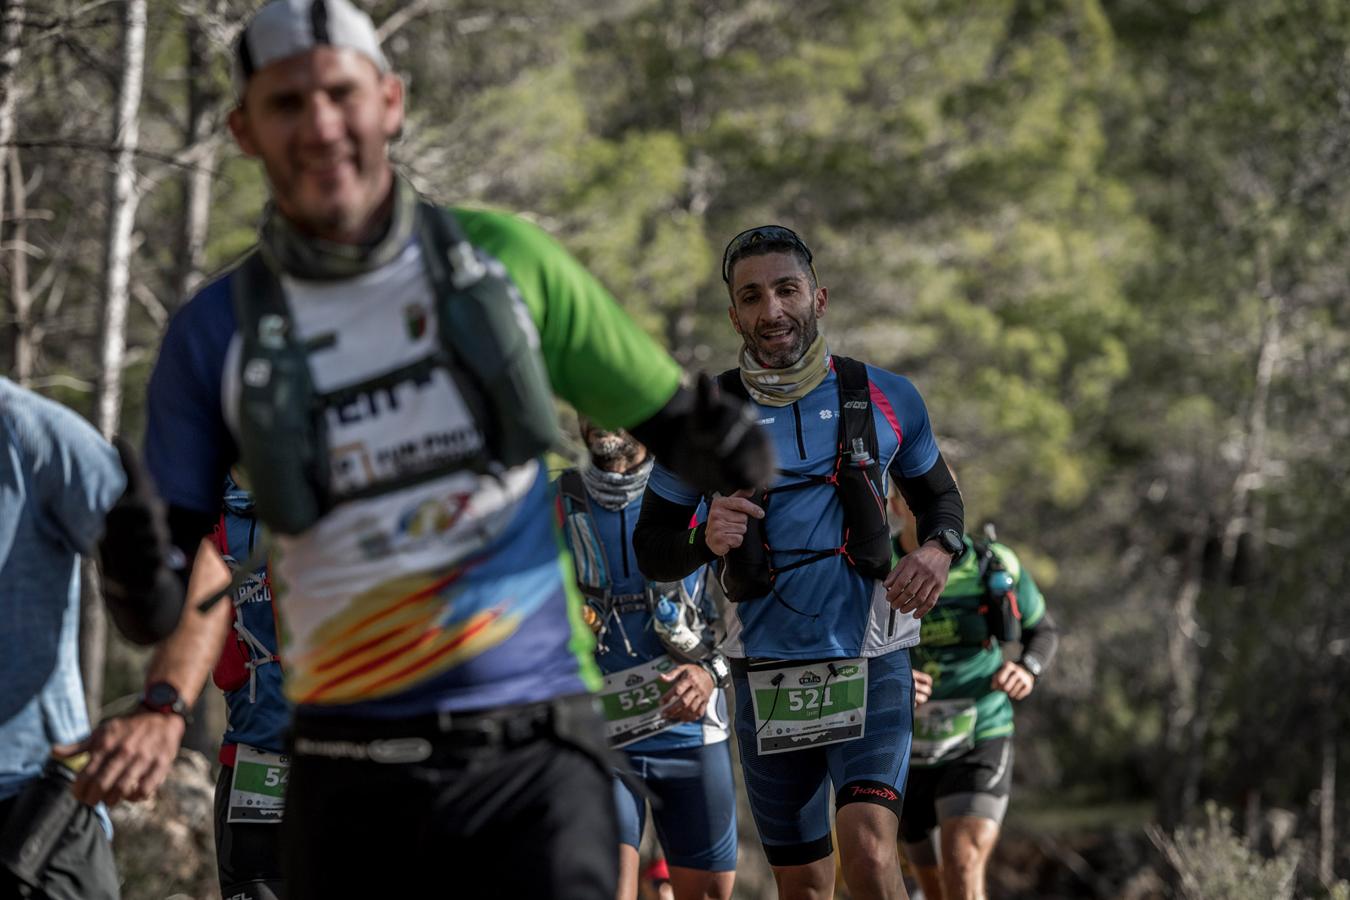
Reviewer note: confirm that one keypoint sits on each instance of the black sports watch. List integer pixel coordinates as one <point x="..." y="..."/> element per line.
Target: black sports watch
<point x="949" y="539"/>
<point x="718" y="667"/>
<point x="163" y="698"/>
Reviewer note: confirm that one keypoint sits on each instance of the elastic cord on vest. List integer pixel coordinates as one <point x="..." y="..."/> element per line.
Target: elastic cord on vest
<point x="749" y="572"/>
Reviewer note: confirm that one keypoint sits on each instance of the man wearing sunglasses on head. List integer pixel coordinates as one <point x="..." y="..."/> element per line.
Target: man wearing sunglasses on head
<point x="820" y="620"/>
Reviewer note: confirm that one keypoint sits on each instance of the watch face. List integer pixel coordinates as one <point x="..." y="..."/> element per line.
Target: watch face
<point x="950" y="540"/>
<point x="161" y="694"/>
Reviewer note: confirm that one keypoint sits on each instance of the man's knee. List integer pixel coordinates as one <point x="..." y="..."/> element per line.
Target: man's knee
<point x="967" y="843"/>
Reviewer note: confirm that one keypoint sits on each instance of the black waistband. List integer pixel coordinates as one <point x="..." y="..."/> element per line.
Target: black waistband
<point x="322" y="734"/>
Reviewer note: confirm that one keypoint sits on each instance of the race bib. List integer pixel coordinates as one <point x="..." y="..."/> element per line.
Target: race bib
<point x="631" y="702"/>
<point x="258" y="790"/>
<point x="809" y="706"/>
<point x="943" y="730"/>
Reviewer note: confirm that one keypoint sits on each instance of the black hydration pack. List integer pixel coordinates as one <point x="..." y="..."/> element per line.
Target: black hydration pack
<point x="749" y="571"/>
<point x="282" y="429"/>
<point x="1002" y="615"/>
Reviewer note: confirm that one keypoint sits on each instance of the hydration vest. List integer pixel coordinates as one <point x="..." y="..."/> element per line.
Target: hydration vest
<point x="244" y="652"/>
<point x="595" y="582"/>
<point x="282" y="424"/>
<point x="750" y="571"/>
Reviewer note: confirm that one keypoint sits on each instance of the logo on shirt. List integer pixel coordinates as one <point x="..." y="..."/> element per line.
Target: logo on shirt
<point x="827" y="414"/>
<point x="768" y="421"/>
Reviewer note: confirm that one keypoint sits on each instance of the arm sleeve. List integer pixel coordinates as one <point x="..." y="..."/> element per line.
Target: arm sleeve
<point x="1041" y="641"/>
<point x="935" y="500"/>
<point x="667" y="548"/>
<point x="597" y="358"/>
<point x="77" y="474"/>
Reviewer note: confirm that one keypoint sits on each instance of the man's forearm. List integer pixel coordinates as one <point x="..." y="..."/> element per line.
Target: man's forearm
<point x="666" y="548"/>
<point x="186" y="657"/>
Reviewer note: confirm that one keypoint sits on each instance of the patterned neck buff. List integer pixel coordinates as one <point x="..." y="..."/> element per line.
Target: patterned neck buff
<point x="615" y="490"/>
<point x="287" y="250"/>
<point x="783" y="387"/>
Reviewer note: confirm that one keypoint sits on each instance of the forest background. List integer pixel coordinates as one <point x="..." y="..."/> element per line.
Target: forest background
<point x="1106" y="238"/>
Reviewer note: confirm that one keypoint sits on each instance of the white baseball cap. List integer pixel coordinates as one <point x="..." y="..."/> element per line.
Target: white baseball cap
<point x="285" y="28"/>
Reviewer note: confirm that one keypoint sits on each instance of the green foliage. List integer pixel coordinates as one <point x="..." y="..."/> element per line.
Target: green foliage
<point x="1213" y="863"/>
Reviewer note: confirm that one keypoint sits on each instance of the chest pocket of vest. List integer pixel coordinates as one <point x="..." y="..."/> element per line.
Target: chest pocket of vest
<point x="484" y="347"/>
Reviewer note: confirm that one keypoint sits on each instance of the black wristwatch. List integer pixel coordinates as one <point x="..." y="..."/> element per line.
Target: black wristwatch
<point x="949" y="539"/>
<point x="163" y="698"/>
<point x="718" y="667"/>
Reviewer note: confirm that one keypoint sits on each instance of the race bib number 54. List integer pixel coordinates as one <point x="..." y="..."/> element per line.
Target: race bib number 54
<point x="809" y="706"/>
<point x="258" y="790"/>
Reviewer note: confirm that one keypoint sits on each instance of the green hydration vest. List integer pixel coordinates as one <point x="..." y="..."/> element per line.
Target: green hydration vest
<point x="594" y="581"/>
<point x="283" y="438"/>
<point x="750" y="570"/>
<point x="959" y="646"/>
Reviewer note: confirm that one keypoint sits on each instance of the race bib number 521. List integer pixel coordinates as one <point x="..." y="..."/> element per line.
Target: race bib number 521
<point x="809" y="706"/>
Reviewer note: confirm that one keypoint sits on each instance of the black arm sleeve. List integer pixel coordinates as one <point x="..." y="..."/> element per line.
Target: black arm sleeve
<point x="1041" y="642"/>
<point x="666" y="548"/>
<point x="935" y="500"/>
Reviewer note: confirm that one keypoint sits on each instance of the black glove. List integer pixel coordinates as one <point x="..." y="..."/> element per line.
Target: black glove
<point x="720" y="447"/>
<point x="143" y="593"/>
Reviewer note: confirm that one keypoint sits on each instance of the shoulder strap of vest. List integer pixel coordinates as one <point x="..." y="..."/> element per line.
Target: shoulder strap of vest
<point x="588" y="556"/>
<point x="256" y="293"/>
<point x="573" y="490"/>
<point x="855" y="404"/>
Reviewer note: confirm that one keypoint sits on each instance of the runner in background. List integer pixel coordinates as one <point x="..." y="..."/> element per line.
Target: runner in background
<point x="961" y="764"/>
<point x="663" y="697"/>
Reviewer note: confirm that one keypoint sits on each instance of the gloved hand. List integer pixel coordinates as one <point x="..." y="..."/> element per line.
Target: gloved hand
<point x="143" y="595"/>
<point x="720" y="448"/>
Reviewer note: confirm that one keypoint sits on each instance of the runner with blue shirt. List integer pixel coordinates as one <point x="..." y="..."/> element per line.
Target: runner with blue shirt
<point x="821" y="622"/>
<point x="663" y="697"/>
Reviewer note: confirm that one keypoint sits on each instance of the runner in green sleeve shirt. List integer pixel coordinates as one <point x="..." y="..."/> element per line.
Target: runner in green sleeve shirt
<point x="961" y="761"/>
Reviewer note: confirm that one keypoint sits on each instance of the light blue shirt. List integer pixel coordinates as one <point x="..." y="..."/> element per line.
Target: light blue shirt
<point x="58" y="478"/>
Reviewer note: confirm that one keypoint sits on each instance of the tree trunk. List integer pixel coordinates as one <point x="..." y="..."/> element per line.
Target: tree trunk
<point x="203" y="100"/>
<point x="25" y="334"/>
<point x="122" y="201"/>
<point x="1176" y="786"/>
<point x="11" y="31"/>
<point x="1326" y="809"/>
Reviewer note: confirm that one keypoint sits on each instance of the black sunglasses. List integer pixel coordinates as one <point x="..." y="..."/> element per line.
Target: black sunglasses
<point x="776" y="234"/>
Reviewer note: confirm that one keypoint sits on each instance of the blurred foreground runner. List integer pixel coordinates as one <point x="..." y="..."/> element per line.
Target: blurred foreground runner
<point x="384" y="370"/>
<point x="63" y="489"/>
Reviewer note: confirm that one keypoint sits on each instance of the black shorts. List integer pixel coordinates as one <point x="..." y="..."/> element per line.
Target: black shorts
<point x="248" y="854"/>
<point x="975" y="784"/>
<point x="386" y="808"/>
<point x="80" y="865"/>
